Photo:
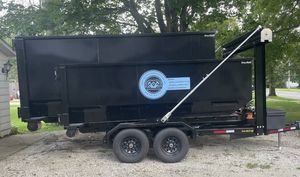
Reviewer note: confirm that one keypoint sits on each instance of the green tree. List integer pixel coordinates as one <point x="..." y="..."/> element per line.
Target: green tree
<point x="116" y="16"/>
<point x="294" y="63"/>
<point x="282" y="17"/>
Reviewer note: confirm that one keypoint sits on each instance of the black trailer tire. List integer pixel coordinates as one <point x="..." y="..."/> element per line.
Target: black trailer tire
<point x="171" y="145"/>
<point x="34" y="126"/>
<point x="131" y="145"/>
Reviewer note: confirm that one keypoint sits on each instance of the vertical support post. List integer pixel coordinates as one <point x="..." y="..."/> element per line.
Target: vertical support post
<point x="279" y="140"/>
<point x="260" y="89"/>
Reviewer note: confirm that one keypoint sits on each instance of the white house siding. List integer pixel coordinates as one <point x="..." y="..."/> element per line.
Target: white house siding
<point x="4" y="101"/>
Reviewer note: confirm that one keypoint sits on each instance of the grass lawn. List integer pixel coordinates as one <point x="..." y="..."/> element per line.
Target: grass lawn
<point x="288" y="90"/>
<point x="22" y="126"/>
<point x="291" y="106"/>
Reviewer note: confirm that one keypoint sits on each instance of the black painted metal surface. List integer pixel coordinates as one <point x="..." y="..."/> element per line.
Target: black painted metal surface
<point x="38" y="56"/>
<point x="112" y="92"/>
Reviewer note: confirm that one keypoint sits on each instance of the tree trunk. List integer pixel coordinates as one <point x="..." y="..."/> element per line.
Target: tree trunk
<point x="159" y="17"/>
<point x="183" y="19"/>
<point x="174" y="21"/>
<point x="272" y="91"/>
<point x="143" y="25"/>
<point x="168" y="15"/>
<point x="171" y="16"/>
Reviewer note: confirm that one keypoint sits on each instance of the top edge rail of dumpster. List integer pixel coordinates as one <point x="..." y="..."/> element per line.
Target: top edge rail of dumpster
<point x="208" y="33"/>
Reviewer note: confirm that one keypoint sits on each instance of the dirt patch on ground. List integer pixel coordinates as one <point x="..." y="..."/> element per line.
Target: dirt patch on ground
<point x="86" y="155"/>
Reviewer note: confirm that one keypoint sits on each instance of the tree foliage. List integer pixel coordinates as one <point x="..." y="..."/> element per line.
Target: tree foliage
<point x="114" y="16"/>
<point x="282" y="17"/>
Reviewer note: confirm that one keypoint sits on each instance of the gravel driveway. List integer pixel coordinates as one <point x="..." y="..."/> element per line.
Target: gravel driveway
<point x="85" y="155"/>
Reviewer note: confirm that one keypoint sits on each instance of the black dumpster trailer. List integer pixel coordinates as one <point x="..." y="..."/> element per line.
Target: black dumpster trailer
<point x="147" y="90"/>
<point x="38" y="56"/>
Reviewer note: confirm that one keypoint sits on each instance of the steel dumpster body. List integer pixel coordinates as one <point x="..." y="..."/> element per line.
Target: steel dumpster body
<point x="38" y="56"/>
<point x="138" y="92"/>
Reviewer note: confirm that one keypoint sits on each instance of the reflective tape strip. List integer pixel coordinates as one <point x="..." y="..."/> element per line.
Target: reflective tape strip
<point x="229" y="131"/>
<point x="287" y="129"/>
<point x="273" y="131"/>
<point x="223" y="131"/>
<point x="219" y="131"/>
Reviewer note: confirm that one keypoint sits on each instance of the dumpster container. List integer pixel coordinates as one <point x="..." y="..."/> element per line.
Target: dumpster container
<point x="38" y="56"/>
<point x="106" y="93"/>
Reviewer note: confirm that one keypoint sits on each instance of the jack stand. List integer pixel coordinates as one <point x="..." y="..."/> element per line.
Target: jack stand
<point x="279" y="141"/>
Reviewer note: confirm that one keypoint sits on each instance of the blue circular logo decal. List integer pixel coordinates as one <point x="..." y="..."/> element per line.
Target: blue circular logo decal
<point x="153" y="84"/>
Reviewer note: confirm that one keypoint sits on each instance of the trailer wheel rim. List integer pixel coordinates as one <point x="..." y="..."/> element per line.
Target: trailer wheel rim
<point x="171" y="145"/>
<point x="131" y="146"/>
